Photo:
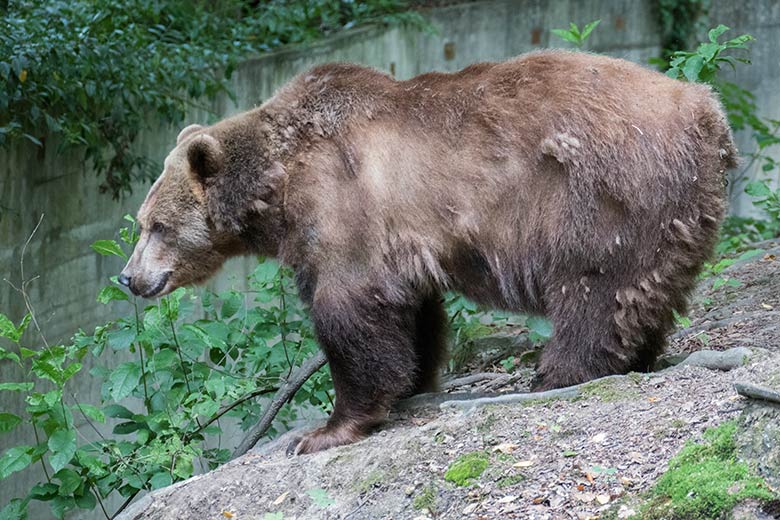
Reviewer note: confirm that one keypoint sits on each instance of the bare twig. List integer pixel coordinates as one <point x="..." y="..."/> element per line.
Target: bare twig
<point x="147" y="402"/>
<point x="100" y="501"/>
<point x="22" y="289"/>
<point x="226" y="409"/>
<point x="125" y="504"/>
<point x="288" y="389"/>
<point x="470" y="380"/>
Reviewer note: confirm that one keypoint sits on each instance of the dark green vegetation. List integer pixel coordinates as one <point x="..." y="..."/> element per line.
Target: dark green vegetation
<point x="91" y="72"/>
<point x="704" y="481"/>
<point x="194" y="360"/>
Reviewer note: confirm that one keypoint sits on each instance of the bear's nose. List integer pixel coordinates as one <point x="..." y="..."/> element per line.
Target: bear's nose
<point x="124" y="280"/>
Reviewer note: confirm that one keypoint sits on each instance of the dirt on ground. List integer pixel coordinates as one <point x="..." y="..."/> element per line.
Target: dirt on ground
<point x="592" y="454"/>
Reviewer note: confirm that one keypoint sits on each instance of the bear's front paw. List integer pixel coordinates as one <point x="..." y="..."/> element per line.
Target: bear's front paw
<point x="324" y="438"/>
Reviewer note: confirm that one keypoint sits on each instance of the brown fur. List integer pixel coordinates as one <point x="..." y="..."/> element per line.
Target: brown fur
<point x="578" y="186"/>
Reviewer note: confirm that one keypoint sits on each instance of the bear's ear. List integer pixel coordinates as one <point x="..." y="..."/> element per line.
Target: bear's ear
<point x="188" y="130"/>
<point x="205" y="156"/>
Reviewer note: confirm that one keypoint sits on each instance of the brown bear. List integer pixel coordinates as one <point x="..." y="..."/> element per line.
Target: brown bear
<point x="582" y="187"/>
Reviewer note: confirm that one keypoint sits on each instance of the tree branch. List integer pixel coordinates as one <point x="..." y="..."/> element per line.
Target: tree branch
<point x="288" y="389"/>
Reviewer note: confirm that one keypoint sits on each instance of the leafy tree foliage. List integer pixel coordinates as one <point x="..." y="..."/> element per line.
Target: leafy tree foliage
<point x="96" y="73"/>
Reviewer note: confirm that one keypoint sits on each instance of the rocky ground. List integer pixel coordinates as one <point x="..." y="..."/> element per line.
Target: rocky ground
<point x="591" y="453"/>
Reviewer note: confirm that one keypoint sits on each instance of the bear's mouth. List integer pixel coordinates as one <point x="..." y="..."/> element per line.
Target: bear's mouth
<point x="158" y="288"/>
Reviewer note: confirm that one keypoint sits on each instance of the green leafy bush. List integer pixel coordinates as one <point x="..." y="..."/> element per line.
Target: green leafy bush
<point x="97" y="73"/>
<point x="191" y="363"/>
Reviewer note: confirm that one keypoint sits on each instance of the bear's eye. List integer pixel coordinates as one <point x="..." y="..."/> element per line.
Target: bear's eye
<point x="157" y="227"/>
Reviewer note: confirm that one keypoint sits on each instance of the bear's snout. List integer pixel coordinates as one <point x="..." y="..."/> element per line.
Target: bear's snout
<point x="145" y="289"/>
<point x="124" y="280"/>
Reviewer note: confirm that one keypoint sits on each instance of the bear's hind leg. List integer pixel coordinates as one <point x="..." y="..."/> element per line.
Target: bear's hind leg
<point x="585" y="343"/>
<point x="369" y="343"/>
<point x="430" y="344"/>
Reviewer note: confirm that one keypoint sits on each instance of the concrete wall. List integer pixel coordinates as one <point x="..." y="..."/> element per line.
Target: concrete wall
<point x="35" y="182"/>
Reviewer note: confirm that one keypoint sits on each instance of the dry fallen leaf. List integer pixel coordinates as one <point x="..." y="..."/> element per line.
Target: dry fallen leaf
<point x="767" y="306"/>
<point x="523" y="464"/>
<point x="505" y="447"/>
<point x="228" y="514"/>
<point x="589" y="477"/>
<point x="602" y="499"/>
<point x="599" y="438"/>
<point x="652" y="399"/>
<point x="280" y="498"/>
<point x="636" y="457"/>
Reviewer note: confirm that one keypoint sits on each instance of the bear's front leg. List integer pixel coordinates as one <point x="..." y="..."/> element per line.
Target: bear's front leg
<point x="369" y="343"/>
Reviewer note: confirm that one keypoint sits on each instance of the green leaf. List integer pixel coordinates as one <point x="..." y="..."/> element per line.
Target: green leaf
<point x="692" y="68"/>
<point x="118" y="411"/>
<point x="14" y="459"/>
<point x="61" y="505"/>
<point x="715" y="33"/>
<point x="207" y="408"/>
<point x="124" y="379"/>
<point x="121" y="339"/>
<point x="86" y="501"/>
<point x="16" y="387"/>
<point x="15" y="510"/>
<point x="127" y="428"/>
<point x="265" y="272"/>
<point x="62" y="444"/>
<point x="4" y="354"/>
<point x="161" y="480"/>
<point x="108" y="248"/>
<point x="27" y="353"/>
<point x="93" y="412"/>
<point x="45" y="368"/>
<point x="320" y="497"/>
<point x="10" y="331"/>
<point x="758" y="189"/>
<point x="111" y="293"/>
<point x="542" y="326"/>
<point x="589" y="28"/>
<point x="44" y="491"/>
<point x="708" y="50"/>
<point x="567" y="35"/>
<point x="69" y="481"/>
<point x="70" y="371"/>
<point x="231" y="305"/>
<point x="9" y="421"/>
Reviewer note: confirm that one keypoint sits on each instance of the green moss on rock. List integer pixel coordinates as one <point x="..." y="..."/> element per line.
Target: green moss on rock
<point x="704" y="481"/>
<point x="426" y="499"/>
<point x="466" y="468"/>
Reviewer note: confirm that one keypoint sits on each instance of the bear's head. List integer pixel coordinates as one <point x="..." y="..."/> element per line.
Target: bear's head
<point x="219" y="196"/>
